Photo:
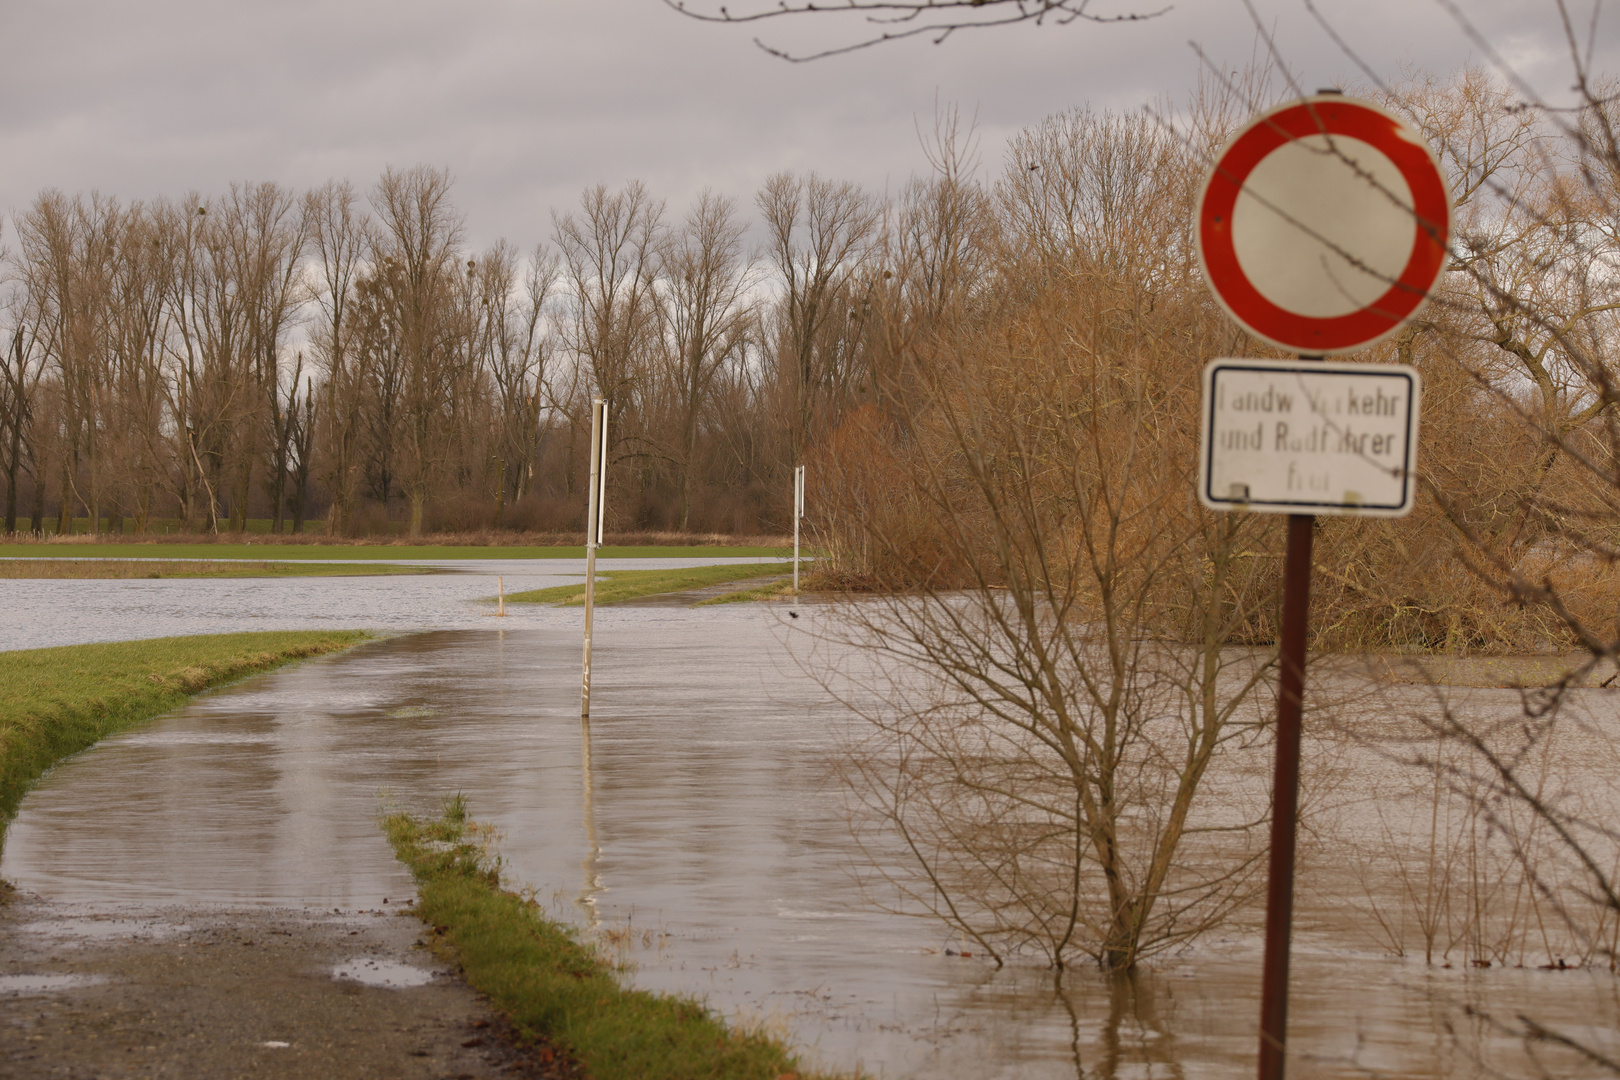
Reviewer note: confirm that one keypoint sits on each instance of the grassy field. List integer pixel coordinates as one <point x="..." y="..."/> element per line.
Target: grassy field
<point x="367" y="552"/>
<point x="160" y="526"/>
<point x="169" y="568"/>
<point x="550" y="984"/>
<point x="630" y="584"/>
<point x="56" y="702"/>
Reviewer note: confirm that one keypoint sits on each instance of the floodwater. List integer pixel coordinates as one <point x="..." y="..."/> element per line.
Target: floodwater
<point x="39" y="613"/>
<point x="44" y="984"/>
<point x="698" y="830"/>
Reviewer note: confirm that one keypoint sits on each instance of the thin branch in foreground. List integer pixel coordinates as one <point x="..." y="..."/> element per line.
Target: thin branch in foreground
<point x="908" y="18"/>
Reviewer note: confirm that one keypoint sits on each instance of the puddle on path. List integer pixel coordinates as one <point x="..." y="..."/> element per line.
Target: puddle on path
<point x="698" y="830"/>
<point x="385" y="973"/>
<point x="21" y="985"/>
<point x="95" y="930"/>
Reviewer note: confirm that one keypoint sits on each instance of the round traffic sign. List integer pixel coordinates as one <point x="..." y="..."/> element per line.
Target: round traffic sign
<point x="1323" y="225"/>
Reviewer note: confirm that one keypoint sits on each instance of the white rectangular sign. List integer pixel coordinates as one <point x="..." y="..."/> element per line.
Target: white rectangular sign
<point x="1309" y="437"/>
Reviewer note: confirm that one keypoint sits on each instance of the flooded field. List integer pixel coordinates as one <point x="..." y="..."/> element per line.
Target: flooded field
<point x="80" y="611"/>
<point x="699" y="830"/>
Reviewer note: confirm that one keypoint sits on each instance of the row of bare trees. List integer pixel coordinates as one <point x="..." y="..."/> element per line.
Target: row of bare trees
<point x="274" y="354"/>
<point x="281" y="354"/>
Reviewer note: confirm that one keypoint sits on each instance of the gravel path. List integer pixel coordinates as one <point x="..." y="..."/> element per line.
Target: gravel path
<point x="211" y="992"/>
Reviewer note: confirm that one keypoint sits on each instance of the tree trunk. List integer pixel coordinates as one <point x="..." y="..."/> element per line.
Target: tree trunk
<point x="278" y="500"/>
<point x="300" y="495"/>
<point x="64" y="516"/>
<point x="239" y="502"/>
<point x="12" y="468"/>
<point x="500" y="493"/>
<point x="36" y="519"/>
<point x="337" y="515"/>
<point x="417" y="501"/>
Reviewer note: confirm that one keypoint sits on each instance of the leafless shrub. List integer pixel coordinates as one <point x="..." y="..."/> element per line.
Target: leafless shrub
<point x="1055" y="610"/>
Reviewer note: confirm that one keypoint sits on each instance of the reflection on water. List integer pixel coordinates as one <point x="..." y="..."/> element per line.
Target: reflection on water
<point x="697" y="827"/>
<point x="593" y="848"/>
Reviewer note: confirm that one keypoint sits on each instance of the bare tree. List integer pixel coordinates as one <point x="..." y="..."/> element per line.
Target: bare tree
<point x="707" y="316"/>
<point x="1055" y="611"/>
<point x="415" y="267"/>
<point x="516" y="349"/>
<point x="820" y="237"/>
<point x="266" y="236"/>
<point x="609" y="267"/>
<point x="19" y="386"/>
<point x="609" y="263"/>
<point x="67" y="247"/>
<point x="214" y="390"/>
<point x="341" y="239"/>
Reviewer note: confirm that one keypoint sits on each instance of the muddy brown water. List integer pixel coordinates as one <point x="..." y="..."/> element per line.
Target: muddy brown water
<point x="699" y="831"/>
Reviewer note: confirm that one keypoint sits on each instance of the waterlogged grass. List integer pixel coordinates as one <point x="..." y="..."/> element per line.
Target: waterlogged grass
<point x="369" y="552"/>
<point x="169" y="568"/>
<point x="552" y="985"/>
<point x="56" y="702"/>
<point x="771" y="590"/>
<point x="630" y="584"/>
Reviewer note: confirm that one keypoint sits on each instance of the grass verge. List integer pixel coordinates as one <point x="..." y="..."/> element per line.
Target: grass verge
<point x="59" y="701"/>
<point x="169" y="568"/>
<point x="771" y="590"/>
<point x="554" y="986"/>
<point x="630" y="584"/>
<point x="371" y="552"/>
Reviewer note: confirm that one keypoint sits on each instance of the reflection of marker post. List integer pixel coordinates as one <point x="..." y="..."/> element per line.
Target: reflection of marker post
<point x="594" y="513"/>
<point x="593" y="848"/>
<point x="798" y="512"/>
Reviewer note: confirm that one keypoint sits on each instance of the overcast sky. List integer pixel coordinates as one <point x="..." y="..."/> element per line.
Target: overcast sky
<point x="529" y="101"/>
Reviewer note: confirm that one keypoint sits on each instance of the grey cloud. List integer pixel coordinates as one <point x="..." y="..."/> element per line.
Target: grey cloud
<point x="528" y="102"/>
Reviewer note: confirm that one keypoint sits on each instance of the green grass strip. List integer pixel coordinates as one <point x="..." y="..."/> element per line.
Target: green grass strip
<point x="171" y="568"/>
<point x="56" y="702"/>
<point x="367" y="552"/>
<point x="630" y="584"/>
<point x="549" y="983"/>
<point x="771" y="590"/>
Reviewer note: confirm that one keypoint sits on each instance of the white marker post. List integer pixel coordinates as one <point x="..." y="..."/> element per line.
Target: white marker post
<point x="798" y="513"/>
<point x="594" y="514"/>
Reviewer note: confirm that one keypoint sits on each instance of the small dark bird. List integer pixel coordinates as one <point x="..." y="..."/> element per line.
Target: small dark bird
<point x="793" y="614"/>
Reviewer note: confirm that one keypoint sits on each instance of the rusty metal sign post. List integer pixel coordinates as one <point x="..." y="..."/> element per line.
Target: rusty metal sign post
<point x="1321" y="228"/>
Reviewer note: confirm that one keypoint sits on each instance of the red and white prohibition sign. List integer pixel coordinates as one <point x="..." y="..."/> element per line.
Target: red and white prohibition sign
<point x="1323" y="225"/>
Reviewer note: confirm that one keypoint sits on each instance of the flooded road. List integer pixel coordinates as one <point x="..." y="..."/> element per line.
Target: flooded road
<point x="38" y="613"/>
<point x="699" y="831"/>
